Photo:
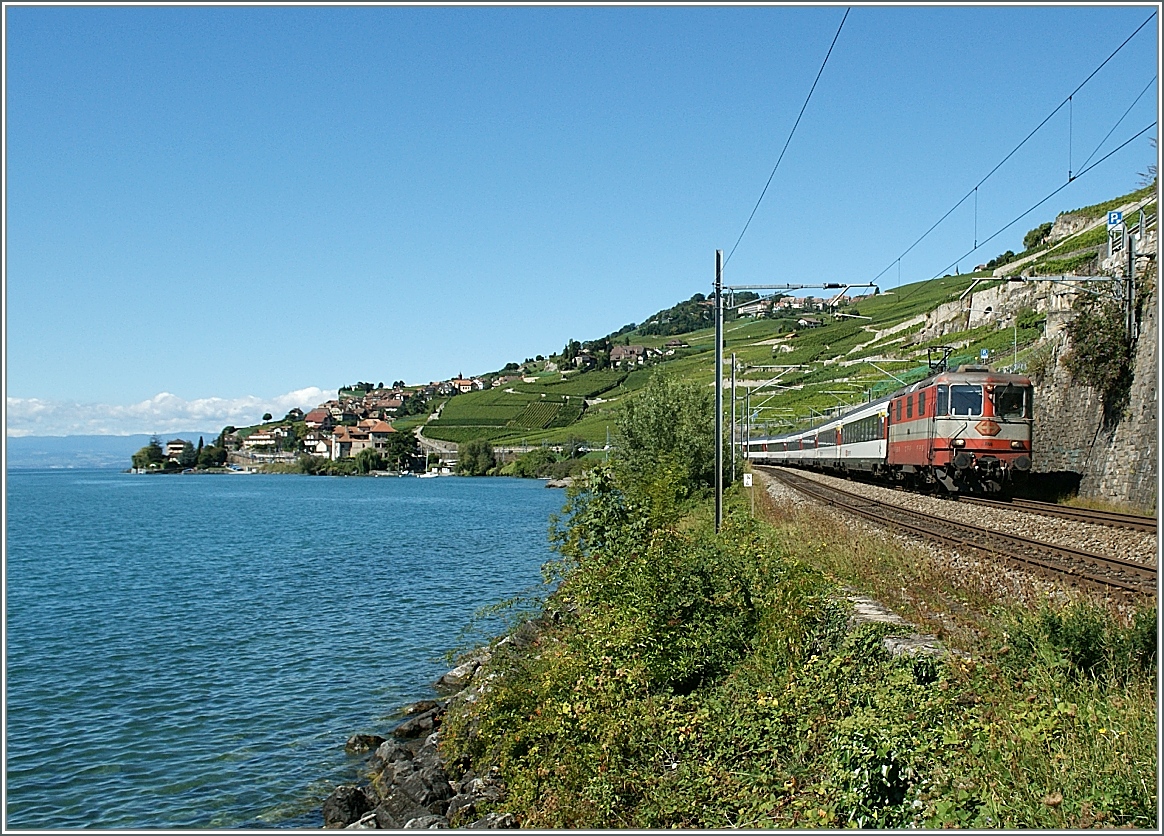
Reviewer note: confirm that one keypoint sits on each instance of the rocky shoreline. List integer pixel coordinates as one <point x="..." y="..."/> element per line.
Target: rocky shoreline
<point x="408" y="784"/>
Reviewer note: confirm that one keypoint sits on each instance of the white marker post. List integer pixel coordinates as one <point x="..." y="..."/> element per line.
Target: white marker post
<point x="751" y="493"/>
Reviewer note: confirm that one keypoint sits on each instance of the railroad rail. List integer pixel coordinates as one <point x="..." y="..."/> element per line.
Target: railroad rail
<point x="1112" y="519"/>
<point x="1060" y="562"/>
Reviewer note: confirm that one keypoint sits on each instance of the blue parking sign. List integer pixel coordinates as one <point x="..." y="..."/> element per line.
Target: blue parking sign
<point x="1115" y="218"/>
<point x="984" y="354"/>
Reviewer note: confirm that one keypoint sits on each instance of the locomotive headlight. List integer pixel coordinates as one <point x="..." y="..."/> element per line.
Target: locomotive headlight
<point x="959" y="442"/>
<point x="1016" y="445"/>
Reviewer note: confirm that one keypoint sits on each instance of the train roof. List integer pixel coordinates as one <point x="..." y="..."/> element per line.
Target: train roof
<point x="965" y="374"/>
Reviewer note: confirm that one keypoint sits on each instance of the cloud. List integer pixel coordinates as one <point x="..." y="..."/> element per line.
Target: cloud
<point x="163" y="413"/>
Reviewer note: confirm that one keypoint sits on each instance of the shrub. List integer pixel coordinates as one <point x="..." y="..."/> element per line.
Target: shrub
<point x="669" y="426"/>
<point x="1100" y="355"/>
<point x="1037" y="236"/>
<point x="475" y="458"/>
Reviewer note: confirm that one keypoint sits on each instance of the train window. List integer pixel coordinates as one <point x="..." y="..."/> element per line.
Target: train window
<point x="899" y="409"/>
<point x="909" y="407"/>
<point x="1011" y="401"/>
<point x="921" y="403"/>
<point x="943" y="400"/>
<point x="965" y="399"/>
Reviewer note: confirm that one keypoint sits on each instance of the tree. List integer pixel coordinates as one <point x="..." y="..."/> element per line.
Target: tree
<point x="475" y="457"/>
<point x="534" y="464"/>
<point x="369" y="459"/>
<point x="669" y="425"/>
<point x="212" y="456"/>
<point x="290" y="442"/>
<point x="266" y="416"/>
<point x="188" y="457"/>
<point x="151" y="454"/>
<point x="1037" y="236"/>
<point x="402" y="451"/>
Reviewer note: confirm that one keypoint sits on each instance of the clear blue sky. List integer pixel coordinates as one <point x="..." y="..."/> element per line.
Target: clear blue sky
<point x="229" y="205"/>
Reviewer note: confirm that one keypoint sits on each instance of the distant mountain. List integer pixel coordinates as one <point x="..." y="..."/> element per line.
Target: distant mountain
<point x="78" y="451"/>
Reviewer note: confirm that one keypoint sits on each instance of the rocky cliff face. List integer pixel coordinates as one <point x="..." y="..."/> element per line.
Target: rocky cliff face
<point x="1116" y="463"/>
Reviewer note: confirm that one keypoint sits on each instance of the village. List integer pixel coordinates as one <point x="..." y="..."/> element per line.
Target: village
<point x="361" y="416"/>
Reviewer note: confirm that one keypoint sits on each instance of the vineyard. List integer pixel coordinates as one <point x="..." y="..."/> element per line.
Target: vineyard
<point x="840" y="363"/>
<point x="585" y="385"/>
<point x="536" y="416"/>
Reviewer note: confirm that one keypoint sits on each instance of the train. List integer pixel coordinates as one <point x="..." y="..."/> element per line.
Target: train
<point x="961" y="431"/>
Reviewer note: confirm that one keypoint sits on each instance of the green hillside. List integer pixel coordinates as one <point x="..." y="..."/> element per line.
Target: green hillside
<point x="862" y="352"/>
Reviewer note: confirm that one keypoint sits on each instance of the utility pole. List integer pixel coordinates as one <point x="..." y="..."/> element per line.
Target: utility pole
<point x="747" y="423"/>
<point x="733" y="416"/>
<point x="1130" y="295"/>
<point x="718" y="389"/>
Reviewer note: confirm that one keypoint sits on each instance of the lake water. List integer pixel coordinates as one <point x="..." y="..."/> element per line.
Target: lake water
<point x="193" y="651"/>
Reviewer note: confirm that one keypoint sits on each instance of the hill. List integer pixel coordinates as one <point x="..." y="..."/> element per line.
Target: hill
<point x="797" y="368"/>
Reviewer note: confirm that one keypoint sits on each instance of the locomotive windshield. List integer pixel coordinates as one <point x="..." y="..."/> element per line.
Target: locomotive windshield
<point x="965" y="399"/>
<point x="1012" y="401"/>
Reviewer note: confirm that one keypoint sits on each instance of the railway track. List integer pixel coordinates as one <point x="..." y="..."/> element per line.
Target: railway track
<point x="1114" y="519"/>
<point x="1060" y="562"/>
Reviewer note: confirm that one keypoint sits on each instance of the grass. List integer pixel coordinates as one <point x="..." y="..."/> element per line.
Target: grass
<point x="1100" y="505"/>
<point x="687" y="679"/>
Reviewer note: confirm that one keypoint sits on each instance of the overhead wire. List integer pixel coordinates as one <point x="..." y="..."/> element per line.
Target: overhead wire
<point x="1015" y="150"/>
<point x="1026" y="212"/>
<point x="789" y="140"/>
<point x="1120" y="122"/>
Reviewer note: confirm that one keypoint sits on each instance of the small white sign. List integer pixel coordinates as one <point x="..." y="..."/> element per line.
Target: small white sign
<point x="747" y="480"/>
<point x="1115" y="218"/>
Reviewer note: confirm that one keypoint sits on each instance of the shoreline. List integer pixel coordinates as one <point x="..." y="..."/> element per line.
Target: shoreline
<point x="407" y="783"/>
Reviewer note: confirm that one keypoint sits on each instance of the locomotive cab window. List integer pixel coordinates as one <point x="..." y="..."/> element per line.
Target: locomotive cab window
<point x="1011" y="401"/>
<point x="899" y="409"/>
<point x="921" y="403"/>
<point x="943" y="403"/>
<point x="909" y="407"/>
<point x="965" y="399"/>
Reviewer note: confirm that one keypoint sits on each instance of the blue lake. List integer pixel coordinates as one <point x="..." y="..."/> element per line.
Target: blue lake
<point x="193" y="651"/>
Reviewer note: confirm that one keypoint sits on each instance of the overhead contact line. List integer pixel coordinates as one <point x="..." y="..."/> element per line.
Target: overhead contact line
<point x="789" y="140"/>
<point x="1070" y="177"/>
<point x="1026" y="212"/>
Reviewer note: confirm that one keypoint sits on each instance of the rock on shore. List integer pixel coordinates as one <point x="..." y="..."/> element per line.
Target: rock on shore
<point x="408" y="787"/>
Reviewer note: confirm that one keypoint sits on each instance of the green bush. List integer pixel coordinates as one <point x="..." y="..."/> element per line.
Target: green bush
<point x="1100" y="354"/>
<point x="1037" y="236"/>
<point x="475" y="458"/>
<point x="669" y="427"/>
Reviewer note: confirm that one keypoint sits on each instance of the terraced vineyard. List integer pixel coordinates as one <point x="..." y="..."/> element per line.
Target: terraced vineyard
<point x="878" y="345"/>
<point x="536" y="416"/>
